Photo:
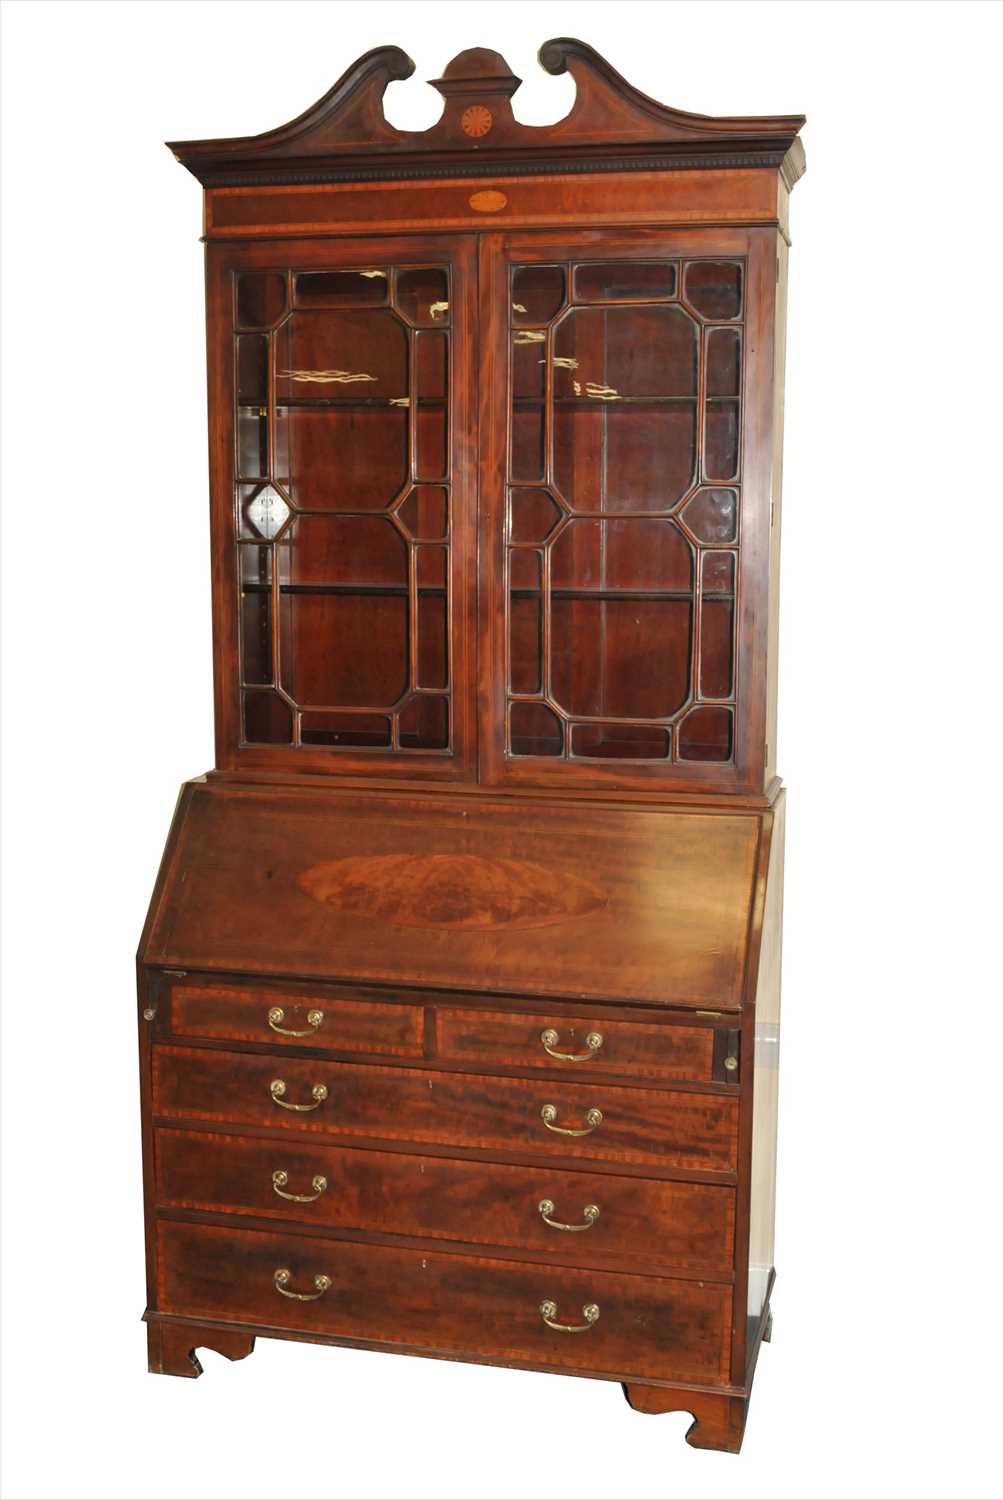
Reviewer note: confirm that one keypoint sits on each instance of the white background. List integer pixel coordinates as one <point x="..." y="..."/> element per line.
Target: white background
<point x="883" y="1376"/>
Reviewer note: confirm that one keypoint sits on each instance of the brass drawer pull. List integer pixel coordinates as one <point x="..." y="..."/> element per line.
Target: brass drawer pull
<point x="550" y="1039"/>
<point x="279" y="1180"/>
<point x="283" y="1277"/>
<point x="548" y="1114"/>
<point x="277" y="1088"/>
<point x="546" y="1209"/>
<point x="277" y="1015"/>
<point x="548" y="1312"/>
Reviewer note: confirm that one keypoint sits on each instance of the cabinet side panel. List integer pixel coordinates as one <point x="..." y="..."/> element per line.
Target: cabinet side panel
<point x="765" y="1084"/>
<point x="773" y="624"/>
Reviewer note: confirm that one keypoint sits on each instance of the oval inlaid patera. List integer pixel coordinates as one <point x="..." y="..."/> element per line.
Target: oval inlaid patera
<point x="487" y="202"/>
<point x="450" y="890"/>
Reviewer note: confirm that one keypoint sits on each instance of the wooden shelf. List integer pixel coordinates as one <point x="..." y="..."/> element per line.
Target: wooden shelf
<point x="377" y="590"/>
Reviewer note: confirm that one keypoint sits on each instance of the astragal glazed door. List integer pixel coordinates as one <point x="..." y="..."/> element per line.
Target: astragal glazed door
<point x="347" y="508"/>
<point x="618" y="519"/>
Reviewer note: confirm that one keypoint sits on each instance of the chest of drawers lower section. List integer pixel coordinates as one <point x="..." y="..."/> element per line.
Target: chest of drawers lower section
<point x="613" y="1323"/>
<point x="527" y="1184"/>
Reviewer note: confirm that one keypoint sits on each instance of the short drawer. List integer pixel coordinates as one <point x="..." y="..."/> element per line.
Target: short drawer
<point x="636" y="1049"/>
<point x="635" y="1326"/>
<point x="540" y="1117"/>
<point x="538" y="1209"/>
<point x="284" y="1017"/>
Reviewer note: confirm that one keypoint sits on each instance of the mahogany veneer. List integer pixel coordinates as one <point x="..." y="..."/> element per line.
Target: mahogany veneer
<point x="459" y="990"/>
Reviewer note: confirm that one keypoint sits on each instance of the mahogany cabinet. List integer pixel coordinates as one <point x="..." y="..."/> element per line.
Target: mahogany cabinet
<point x="459" y="990"/>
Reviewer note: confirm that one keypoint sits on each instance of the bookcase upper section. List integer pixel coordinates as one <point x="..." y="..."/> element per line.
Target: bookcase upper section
<point x="611" y="126"/>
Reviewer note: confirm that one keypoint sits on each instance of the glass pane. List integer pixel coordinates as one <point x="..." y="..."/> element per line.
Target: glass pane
<point x="425" y="513"/>
<point x="705" y="734"/>
<point x="431" y="416"/>
<point x="628" y="658"/>
<point x="344" y="625"/>
<point x="348" y="649"/>
<point x="527" y="443"/>
<point x="537" y="294"/>
<point x="626" y="352"/>
<point x="713" y="288"/>
<point x="262" y="512"/>
<point x="255" y="565"/>
<point x="256" y="633"/>
<point x="341" y="288"/>
<point x="534" y="729"/>
<point x="637" y="281"/>
<point x="719" y="573"/>
<point x="620" y="741"/>
<point x="424" y="724"/>
<point x="724" y="361"/>
<point x="252" y="442"/>
<point x="717" y="625"/>
<point x="268" y="719"/>
<point x="423" y="295"/>
<point x="252" y="368"/>
<point x="525" y="623"/>
<point x="528" y="370"/>
<point x="261" y="298"/>
<point x="712" y="515"/>
<point x="721" y="439"/>
<point x="341" y="353"/>
<point x="532" y="515"/>
<point x="431" y="569"/>
<point x="433" y="669"/>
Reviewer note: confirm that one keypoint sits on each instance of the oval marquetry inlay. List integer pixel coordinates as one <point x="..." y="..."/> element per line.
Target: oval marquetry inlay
<point x="450" y="890"/>
<point x="476" y="120"/>
<point x="488" y="202"/>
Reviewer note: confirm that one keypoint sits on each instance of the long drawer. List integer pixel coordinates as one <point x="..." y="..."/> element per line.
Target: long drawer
<point x="588" y="1121"/>
<point x="680" y="1224"/>
<point x="633" y="1326"/>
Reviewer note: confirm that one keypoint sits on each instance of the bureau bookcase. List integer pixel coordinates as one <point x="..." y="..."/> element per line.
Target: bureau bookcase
<point x="459" y="989"/>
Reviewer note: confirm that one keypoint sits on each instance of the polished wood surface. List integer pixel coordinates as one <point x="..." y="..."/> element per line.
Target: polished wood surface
<point x="171" y="1347"/>
<point x="692" y="1130"/>
<point x="345" y="134"/>
<point x="251" y="1015"/>
<point x="633" y="906"/>
<point x="659" y="1327"/>
<point x="641" y="1222"/>
<point x="458" y="995"/>
<point x="650" y="1051"/>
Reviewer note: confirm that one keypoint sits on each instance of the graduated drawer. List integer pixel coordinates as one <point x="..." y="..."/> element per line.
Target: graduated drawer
<point x="688" y="1130"/>
<point x="291" y="1018"/>
<point x="682" y="1224"/>
<point x="637" y="1049"/>
<point x="456" y="1304"/>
